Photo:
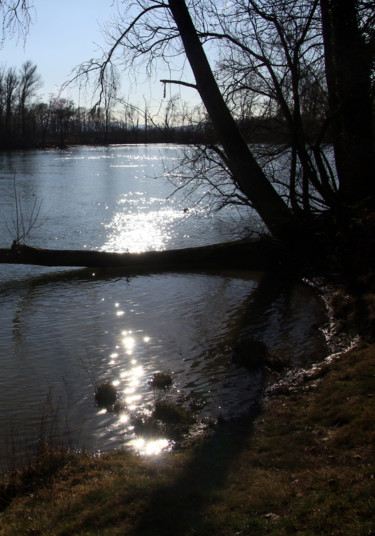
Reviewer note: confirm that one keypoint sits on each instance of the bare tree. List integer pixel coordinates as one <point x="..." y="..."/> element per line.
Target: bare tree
<point x="110" y="90"/>
<point x="277" y="58"/>
<point x="2" y="95"/>
<point x="16" y="16"/>
<point x="278" y="53"/>
<point x="313" y="60"/>
<point x="11" y="85"/>
<point x="29" y="82"/>
<point x="155" y="37"/>
<point x="42" y="113"/>
<point x="349" y="62"/>
<point x="62" y="112"/>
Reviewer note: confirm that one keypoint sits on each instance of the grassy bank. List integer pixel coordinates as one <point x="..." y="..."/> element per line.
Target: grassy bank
<point x="304" y="465"/>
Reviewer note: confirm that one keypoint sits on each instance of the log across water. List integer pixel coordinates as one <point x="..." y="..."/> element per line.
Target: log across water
<point x="252" y="254"/>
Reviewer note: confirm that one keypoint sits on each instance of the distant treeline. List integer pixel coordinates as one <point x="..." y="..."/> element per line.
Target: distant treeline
<point x="27" y="122"/>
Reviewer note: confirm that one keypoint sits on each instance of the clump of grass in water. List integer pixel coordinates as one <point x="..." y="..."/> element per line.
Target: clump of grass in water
<point x="300" y="472"/>
<point x="106" y="395"/>
<point x="167" y="419"/>
<point x="161" y="380"/>
<point x="170" y="413"/>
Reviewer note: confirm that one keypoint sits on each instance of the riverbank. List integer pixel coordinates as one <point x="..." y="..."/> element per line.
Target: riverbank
<point x="303" y="465"/>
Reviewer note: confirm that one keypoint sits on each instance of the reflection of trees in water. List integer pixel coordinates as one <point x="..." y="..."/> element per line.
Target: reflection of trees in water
<point x="283" y="314"/>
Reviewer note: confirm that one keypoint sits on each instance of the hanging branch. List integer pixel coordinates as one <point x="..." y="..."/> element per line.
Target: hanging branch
<point x="179" y="82"/>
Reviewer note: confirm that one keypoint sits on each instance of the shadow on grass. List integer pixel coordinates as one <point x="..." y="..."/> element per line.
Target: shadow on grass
<point x="178" y="497"/>
<point x="179" y="508"/>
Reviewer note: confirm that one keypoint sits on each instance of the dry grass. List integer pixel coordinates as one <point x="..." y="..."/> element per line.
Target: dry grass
<point x="304" y="466"/>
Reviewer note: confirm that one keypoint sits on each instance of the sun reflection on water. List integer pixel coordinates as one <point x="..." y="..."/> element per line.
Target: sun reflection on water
<point x="133" y="377"/>
<point x="130" y="384"/>
<point x="128" y="342"/>
<point x="140" y="231"/>
<point x="150" y="447"/>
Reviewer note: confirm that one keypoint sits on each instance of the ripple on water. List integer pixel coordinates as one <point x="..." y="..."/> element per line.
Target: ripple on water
<point x="62" y="332"/>
<point x="66" y="337"/>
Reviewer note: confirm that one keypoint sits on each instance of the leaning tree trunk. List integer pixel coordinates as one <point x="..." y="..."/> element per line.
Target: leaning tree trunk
<point x="348" y="73"/>
<point x="250" y="254"/>
<point x="249" y="176"/>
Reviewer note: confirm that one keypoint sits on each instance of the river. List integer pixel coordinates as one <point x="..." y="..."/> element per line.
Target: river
<point x="63" y="331"/>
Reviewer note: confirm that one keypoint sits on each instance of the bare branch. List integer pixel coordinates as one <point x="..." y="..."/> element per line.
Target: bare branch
<point x="16" y="18"/>
<point x="179" y="82"/>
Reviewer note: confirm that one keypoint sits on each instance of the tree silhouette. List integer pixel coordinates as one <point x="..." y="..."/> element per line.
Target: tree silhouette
<point x="286" y="53"/>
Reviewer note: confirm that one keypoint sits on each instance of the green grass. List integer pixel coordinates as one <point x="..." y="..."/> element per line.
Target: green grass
<point x="305" y="465"/>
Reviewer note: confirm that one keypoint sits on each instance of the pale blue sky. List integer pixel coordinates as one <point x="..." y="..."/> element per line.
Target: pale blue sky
<point x="63" y="35"/>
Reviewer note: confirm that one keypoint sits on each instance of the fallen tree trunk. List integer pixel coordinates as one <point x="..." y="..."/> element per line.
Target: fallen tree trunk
<point x="255" y="255"/>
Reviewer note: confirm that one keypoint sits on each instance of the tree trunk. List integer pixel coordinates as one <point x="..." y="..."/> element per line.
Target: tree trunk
<point x="250" y="177"/>
<point x="348" y="70"/>
<point x="252" y="255"/>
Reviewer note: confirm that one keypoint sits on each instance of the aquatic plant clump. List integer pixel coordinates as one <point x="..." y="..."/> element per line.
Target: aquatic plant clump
<point x="106" y="395"/>
<point x="171" y="413"/>
<point x="167" y="419"/>
<point x="161" y="380"/>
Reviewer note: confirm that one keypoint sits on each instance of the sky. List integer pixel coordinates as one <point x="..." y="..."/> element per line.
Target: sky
<point x="64" y="34"/>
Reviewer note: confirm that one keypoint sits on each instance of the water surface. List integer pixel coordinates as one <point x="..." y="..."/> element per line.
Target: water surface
<point x="64" y="331"/>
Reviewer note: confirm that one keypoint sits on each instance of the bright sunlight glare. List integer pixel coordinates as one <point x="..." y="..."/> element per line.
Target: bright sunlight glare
<point x="139" y="232"/>
<point x="150" y="447"/>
